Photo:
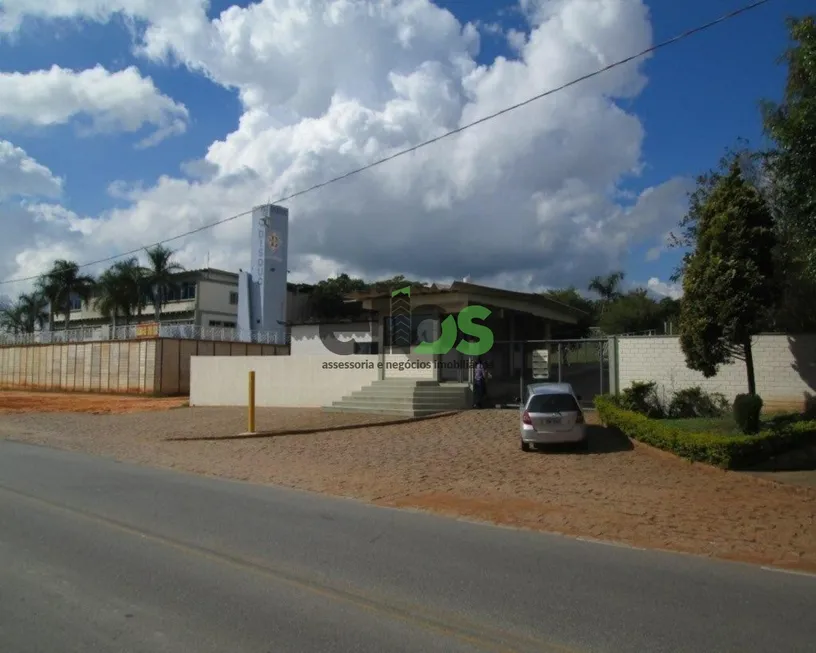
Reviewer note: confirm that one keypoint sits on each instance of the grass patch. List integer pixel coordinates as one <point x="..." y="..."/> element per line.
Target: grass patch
<point x="716" y="441"/>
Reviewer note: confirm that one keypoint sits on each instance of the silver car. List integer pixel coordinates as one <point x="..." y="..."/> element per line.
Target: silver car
<point x="551" y="414"/>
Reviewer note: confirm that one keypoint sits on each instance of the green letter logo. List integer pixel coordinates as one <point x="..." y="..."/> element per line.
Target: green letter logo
<point x="445" y="342"/>
<point x="482" y="333"/>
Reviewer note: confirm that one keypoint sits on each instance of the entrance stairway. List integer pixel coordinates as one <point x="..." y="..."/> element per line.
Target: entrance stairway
<point x="406" y="398"/>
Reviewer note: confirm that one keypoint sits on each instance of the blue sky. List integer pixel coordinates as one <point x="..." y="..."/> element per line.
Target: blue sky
<point x="702" y="94"/>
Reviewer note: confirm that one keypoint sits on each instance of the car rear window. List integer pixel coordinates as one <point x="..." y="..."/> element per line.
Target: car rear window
<point x="552" y="403"/>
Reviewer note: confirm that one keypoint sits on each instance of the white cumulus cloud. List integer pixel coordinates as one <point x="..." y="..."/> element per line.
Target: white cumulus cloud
<point x="665" y="289"/>
<point x="22" y="176"/>
<point x="531" y="198"/>
<point x="113" y="101"/>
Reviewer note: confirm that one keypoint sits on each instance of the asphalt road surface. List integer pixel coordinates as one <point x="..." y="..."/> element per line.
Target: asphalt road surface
<point x="102" y="556"/>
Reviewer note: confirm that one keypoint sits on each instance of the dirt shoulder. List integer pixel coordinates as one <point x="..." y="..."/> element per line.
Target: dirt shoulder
<point x="466" y="465"/>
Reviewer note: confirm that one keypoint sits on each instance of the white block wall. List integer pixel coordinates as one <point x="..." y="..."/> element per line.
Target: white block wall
<point x="298" y="381"/>
<point x="785" y="367"/>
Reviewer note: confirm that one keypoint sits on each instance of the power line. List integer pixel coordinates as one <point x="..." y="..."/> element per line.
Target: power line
<point x="453" y="132"/>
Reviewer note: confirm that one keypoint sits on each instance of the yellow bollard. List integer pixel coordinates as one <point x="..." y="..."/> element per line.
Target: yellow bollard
<point x="251" y="403"/>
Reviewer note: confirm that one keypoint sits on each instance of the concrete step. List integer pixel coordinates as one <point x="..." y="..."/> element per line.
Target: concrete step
<point x="404" y="382"/>
<point x="407" y="413"/>
<point x="401" y="402"/>
<point x="403" y="392"/>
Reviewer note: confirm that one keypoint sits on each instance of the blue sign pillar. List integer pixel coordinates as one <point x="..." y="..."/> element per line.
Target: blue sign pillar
<point x="262" y="290"/>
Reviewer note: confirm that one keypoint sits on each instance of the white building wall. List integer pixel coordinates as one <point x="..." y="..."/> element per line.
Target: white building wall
<point x="785" y="367"/>
<point x="296" y="381"/>
<point x="215" y="297"/>
<point x="404" y="366"/>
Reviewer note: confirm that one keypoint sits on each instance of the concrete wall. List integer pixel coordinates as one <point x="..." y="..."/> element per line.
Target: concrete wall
<point x="173" y="369"/>
<point x="305" y="339"/>
<point x="300" y="381"/>
<point x="117" y="366"/>
<point x="155" y="366"/>
<point x="410" y="365"/>
<point x="785" y="368"/>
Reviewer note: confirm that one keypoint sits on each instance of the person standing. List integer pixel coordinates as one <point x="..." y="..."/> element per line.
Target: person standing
<point x="479" y="384"/>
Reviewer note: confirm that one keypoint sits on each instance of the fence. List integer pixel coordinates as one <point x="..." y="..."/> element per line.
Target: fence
<point x="179" y="331"/>
<point x="584" y="364"/>
<point x="148" y="366"/>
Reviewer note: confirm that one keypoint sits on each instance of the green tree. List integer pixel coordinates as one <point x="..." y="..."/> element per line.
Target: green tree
<point x="25" y="315"/>
<point x="159" y="276"/>
<point x="586" y="320"/>
<point x="633" y="312"/>
<point x="61" y="284"/>
<point x="791" y="125"/>
<point x="328" y="297"/>
<point x="669" y="311"/>
<point x="121" y="290"/>
<point x="607" y="287"/>
<point x="729" y="277"/>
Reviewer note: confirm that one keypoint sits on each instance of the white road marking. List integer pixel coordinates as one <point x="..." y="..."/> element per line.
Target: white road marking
<point x="619" y="545"/>
<point x="792" y="572"/>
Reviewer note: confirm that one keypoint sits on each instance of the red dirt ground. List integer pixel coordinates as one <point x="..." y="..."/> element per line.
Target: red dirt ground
<point x="12" y="402"/>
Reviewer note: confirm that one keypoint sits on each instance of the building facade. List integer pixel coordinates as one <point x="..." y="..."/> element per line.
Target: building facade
<point x="206" y="298"/>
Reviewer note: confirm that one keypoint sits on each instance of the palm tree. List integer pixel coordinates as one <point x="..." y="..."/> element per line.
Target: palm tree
<point x="11" y="317"/>
<point x="159" y="276"/>
<point x="608" y="287"/>
<point x="49" y="289"/>
<point x="24" y="315"/>
<point x="62" y="283"/>
<point x="33" y="306"/>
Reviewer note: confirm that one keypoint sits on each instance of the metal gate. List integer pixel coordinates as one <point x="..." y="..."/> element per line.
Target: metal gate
<point x="584" y="364"/>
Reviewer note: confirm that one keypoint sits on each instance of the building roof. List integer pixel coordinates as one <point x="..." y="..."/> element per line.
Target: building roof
<point x="464" y="288"/>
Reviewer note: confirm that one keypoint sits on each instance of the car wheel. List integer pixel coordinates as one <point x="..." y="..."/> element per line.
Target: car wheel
<point x="525" y="446"/>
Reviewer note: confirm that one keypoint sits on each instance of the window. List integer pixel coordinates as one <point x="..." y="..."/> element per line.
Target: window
<point x="76" y="303"/>
<point x="219" y="323"/>
<point x="188" y="290"/>
<point x="552" y="403"/>
<point x="233" y="298"/>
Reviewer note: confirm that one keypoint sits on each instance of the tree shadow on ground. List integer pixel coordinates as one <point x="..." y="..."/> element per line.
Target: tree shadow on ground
<point x="601" y="440"/>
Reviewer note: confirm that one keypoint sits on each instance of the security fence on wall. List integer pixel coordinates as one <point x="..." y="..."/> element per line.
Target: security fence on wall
<point x="176" y="330"/>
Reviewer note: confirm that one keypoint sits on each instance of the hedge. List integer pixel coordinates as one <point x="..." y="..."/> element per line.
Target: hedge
<point x="725" y="451"/>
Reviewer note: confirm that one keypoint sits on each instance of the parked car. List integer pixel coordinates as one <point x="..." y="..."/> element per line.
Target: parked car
<point x="551" y="414"/>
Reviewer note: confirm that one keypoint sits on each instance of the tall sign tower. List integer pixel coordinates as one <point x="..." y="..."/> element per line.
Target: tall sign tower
<point x="262" y="289"/>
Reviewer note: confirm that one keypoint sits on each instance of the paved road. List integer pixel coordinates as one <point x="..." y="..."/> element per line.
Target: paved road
<point x="98" y="555"/>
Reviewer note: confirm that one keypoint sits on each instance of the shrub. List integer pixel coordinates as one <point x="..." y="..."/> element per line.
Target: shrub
<point x="747" y="409"/>
<point x="641" y="397"/>
<point x="696" y="402"/>
<point x="726" y="451"/>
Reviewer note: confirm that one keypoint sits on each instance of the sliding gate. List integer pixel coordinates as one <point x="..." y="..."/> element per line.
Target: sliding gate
<point x="584" y="364"/>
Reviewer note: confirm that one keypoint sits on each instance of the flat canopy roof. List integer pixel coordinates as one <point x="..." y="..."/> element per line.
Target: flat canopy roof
<point x="523" y="302"/>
